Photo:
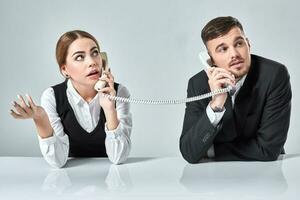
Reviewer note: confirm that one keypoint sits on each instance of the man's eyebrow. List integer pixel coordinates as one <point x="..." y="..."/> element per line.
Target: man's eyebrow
<point x="239" y="37"/>
<point x="235" y="39"/>
<point x="222" y="44"/>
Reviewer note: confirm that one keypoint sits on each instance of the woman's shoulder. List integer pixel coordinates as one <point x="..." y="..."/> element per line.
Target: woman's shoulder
<point x="48" y="96"/>
<point x="122" y="91"/>
<point x="48" y="92"/>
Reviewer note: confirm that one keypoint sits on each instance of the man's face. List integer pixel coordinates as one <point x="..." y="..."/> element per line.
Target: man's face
<point x="231" y="52"/>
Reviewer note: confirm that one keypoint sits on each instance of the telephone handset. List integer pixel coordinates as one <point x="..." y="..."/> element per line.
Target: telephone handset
<point x="101" y="84"/>
<point x="205" y="59"/>
<point x="207" y="62"/>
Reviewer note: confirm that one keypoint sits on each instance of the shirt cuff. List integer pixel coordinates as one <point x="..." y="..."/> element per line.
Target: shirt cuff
<point x="113" y="134"/>
<point x="211" y="152"/>
<point x="214" y="117"/>
<point x="48" y="140"/>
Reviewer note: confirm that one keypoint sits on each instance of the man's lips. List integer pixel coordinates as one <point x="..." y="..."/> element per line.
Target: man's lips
<point x="236" y="63"/>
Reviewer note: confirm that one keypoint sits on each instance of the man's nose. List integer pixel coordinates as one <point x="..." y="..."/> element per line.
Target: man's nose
<point x="234" y="53"/>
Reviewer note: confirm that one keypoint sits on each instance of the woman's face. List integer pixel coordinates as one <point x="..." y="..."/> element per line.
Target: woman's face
<point x="83" y="62"/>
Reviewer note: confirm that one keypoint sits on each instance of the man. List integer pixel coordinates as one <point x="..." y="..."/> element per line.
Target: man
<point x="252" y="124"/>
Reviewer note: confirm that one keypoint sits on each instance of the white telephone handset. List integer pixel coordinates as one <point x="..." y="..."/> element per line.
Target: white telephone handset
<point x="205" y="59"/>
<point x="207" y="63"/>
<point x="101" y="84"/>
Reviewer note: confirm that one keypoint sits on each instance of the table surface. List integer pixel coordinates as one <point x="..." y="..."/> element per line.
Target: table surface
<point x="149" y="178"/>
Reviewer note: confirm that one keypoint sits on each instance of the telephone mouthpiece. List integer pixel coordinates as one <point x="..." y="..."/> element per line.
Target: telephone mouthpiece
<point x="100" y="85"/>
<point x="232" y="90"/>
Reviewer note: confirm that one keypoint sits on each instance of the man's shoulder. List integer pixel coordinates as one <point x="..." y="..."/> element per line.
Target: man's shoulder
<point x="198" y="83"/>
<point x="266" y="64"/>
<point x="199" y="77"/>
<point x="267" y="72"/>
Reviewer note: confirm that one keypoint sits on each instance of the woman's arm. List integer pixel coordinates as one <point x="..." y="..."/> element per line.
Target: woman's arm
<point x="117" y="142"/>
<point x="54" y="144"/>
<point x="55" y="149"/>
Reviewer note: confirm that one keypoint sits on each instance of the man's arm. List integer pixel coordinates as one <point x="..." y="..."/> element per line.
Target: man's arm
<point x="198" y="132"/>
<point x="272" y="132"/>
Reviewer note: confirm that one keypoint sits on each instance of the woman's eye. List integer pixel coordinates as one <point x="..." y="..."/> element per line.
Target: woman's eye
<point x="79" y="57"/>
<point x="95" y="53"/>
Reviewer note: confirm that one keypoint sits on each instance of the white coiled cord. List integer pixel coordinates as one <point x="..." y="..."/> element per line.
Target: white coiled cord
<point x="167" y="102"/>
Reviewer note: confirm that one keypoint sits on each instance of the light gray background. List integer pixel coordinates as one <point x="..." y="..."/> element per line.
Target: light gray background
<point x="152" y="48"/>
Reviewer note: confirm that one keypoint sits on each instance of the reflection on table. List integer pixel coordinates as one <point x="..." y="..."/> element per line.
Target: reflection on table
<point x="149" y="178"/>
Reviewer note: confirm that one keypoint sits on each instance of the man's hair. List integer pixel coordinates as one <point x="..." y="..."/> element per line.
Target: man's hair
<point x="218" y="27"/>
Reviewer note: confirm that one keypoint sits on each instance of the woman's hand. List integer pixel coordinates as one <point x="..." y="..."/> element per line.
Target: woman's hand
<point x="108" y="105"/>
<point x="30" y="110"/>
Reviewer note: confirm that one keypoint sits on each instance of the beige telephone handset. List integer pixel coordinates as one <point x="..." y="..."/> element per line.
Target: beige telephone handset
<point x="207" y="62"/>
<point x="101" y="84"/>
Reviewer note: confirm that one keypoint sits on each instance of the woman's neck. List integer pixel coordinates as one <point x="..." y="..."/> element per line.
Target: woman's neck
<point x="85" y="91"/>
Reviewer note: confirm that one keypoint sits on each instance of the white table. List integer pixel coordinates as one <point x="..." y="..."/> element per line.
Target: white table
<point x="149" y="178"/>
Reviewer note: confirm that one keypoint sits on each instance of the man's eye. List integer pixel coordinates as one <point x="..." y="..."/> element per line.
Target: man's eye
<point x="79" y="57"/>
<point x="222" y="49"/>
<point x="239" y="44"/>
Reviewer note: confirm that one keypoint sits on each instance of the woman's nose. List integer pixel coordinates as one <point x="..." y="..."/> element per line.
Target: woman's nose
<point x="92" y="61"/>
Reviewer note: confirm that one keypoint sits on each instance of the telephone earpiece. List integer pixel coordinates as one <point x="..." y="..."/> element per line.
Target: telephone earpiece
<point x="101" y="84"/>
<point x="205" y="59"/>
<point x="103" y="56"/>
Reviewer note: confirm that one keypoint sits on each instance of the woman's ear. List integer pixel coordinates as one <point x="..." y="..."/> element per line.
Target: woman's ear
<point x="63" y="70"/>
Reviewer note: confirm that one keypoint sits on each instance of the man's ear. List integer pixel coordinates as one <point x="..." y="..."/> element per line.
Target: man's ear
<point x="212" y="62"/>
<point x="248" y="43"/>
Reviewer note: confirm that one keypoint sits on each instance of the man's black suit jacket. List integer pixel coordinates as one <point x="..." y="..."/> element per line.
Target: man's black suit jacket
<point x="256" y="129"/>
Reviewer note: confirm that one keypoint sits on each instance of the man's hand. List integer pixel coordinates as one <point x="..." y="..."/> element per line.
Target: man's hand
<point x="219" y="78"/>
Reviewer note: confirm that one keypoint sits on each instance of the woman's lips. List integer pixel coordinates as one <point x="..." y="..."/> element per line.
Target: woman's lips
<point x="93" y="75"/>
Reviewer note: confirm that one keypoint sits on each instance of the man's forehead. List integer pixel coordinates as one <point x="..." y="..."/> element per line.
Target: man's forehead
<point x="234" y="34"/>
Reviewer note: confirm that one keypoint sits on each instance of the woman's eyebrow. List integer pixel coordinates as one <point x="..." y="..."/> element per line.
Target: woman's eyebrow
<point x="77" y="52"/>
<point x="83" y="51"/>
<point x="93" y="48"/>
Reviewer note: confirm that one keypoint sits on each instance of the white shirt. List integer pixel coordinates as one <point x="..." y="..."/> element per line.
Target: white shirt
<point x="55" y="149"/>
<point x="215" y="117"/>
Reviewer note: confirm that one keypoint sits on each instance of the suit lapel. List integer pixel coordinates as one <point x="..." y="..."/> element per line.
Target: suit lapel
<point x="245" y="97"/>
<point x="228" y="124"/>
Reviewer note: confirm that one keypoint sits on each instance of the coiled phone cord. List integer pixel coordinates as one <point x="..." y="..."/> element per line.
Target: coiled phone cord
<point x="168" y="102"/>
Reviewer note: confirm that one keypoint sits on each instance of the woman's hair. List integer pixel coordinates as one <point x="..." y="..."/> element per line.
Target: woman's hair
<point x="66" y="40"/>
<point x="218" y="27"/>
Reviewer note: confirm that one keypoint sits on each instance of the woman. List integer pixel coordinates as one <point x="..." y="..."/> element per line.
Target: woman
<point x="74" y="119"/>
